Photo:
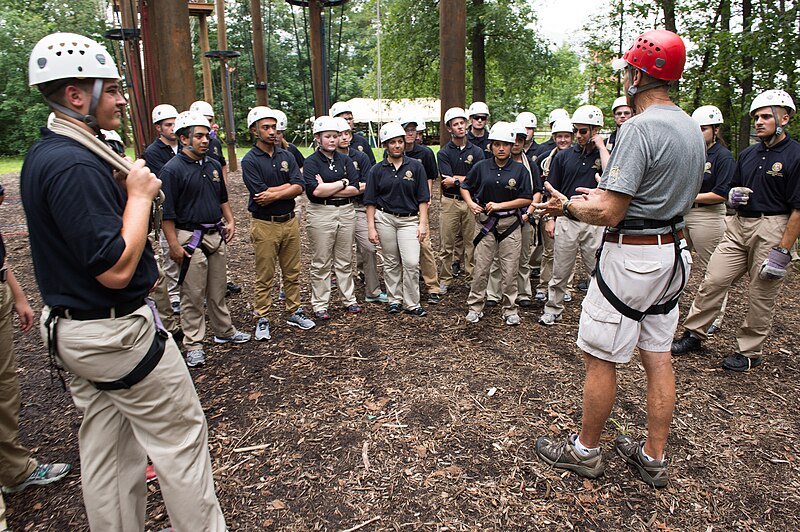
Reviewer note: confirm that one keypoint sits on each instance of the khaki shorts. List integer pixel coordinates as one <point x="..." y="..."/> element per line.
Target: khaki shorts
<point x="640" y="276"/>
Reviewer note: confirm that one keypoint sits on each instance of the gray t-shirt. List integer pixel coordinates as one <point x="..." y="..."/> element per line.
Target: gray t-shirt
<point x="658" y="158"/>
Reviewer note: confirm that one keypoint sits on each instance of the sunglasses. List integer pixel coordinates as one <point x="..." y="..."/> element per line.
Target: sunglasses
<point x="481" y="117"/>
<point x="622" y="113"/>
<point x="582" y="131"/>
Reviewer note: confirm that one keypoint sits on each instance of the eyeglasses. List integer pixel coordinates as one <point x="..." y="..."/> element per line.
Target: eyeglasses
<point x="483" y="118"/>
<point x="622" y="113"/>
<point x="582" y="131"/>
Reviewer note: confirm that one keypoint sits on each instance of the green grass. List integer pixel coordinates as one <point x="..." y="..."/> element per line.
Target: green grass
<point x="10" y="164"/>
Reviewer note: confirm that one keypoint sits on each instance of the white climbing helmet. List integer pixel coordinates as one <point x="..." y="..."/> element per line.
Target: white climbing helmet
<point x="708" y="115"/>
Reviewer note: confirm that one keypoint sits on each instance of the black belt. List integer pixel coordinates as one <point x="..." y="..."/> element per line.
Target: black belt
<point x="398" y="214"/>
<point x="142" y="369"/>
<point x="699" y="205"/>
<point x="336" y="202"/>
<point x="197" y="227"/>
<point x="280" y="218"/>
<point x="642" y="240"/>
<point x="452" y="195"/>
<point x="3" y="274"/>
<point x="98" y="314"/>
<point x="748" y="214"/>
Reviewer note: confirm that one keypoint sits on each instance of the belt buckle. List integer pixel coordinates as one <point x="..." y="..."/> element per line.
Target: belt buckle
<point x="3" y="274"/>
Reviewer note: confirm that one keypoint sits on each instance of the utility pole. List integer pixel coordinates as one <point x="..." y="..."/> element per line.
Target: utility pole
<point x="452" y="63"/>
<point x="260" y="64"/>
<point x="223" y="54"/>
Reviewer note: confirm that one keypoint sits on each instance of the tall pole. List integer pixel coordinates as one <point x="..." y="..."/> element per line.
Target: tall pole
<point x="208" y="90"/>
<point x="222" y="42"/>
<point x="452" y="64"/>
<point x="317" y="43"/>
<point x="379" y="82"/>
<point x="258" y="53"/>
<point x="173" y="59"/>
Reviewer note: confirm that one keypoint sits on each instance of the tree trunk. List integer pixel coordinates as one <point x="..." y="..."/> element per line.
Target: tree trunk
<point x="746" y="83"/>
<point x="478" y="55"/>
<point x="669" y="15"/>
<point x="726" y="103"/>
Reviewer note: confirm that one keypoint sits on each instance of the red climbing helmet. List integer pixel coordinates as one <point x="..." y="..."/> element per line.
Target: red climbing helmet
<point x="659" y="53"/>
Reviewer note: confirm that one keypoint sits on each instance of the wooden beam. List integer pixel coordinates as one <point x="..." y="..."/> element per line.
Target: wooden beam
<point x="452" y="62"/>
<point x="260" y="65"/>
<point x="230" y="132"/>
<point x="169" y="20"/>
<point x="208" y="87"/>
<point x="317" y="44"/>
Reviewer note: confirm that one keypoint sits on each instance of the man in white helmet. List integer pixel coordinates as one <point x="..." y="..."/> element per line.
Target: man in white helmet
<point x="765" y="191"/>
<point x="570" y="170"/>
<point x="528" y="120"/>
<point x="359" y="142"/>
<point x="456" y="159"/>
<point x="196" y="202"/>
<point x="621" y="112"/>
<point x="130" y="384"/>
<point x="478" y="132"/>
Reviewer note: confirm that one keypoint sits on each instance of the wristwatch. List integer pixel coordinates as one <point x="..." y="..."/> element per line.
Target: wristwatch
<point x="457" y="182"/>
<point x="344" y="184"/>
<point x="565" y="208"/>
<point x="782" y="250"/>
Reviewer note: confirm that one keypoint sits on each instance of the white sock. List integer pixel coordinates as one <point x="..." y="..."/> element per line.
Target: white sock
<point x="583" y="450"/>
<point x="648" y="457"/>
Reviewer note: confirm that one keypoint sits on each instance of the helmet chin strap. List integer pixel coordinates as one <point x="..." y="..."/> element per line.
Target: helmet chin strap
<point x="778" y="129"/>
<point x="88" y="119"/>
<point x="189" y="145"/>
<point x="633" y="90"/>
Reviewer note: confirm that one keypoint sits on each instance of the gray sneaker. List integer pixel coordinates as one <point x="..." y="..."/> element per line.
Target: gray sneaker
<point x="298" y="319"/>
<point x="262" y="329"/>
<point x="442" y="288"/>
<point x="196" y="358"/>
<point x="549" y="319"/>
<point x="567" y="297"/>
<point x="540" y="296"/>
<point x="654" y="472"/>
<point x="512" y="319"/>
<point x="562" y="454"/>
<point x="238" y="337"/>
<point x="474" y="317"/>
<point x="43" y="474"/>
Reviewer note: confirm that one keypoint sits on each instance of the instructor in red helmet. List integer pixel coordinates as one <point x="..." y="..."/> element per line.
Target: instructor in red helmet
<point x="650" y="181"/>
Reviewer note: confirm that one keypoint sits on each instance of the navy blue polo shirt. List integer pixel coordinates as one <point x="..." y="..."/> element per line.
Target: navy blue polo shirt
<point x="215" y="150"/>
<point x="573" y="168"/>
<point x="194" y="191"/>
<point x="157" y="155"/>
<point x="489" y="182"/>
<point x="719" y="170"/>
<point x="454" y="161"/>
<point x="363" y="166"/>
<point x="298" y="157"/>
<point x="399" y="190"/>
<point x="261" y="171"/>
<point x="543" y="149"/>
<point x="531" y="151"/>
<point x="360" y="143"/>
<point x="425" y="155"/>
<point x="774" y="176"/>
<point x="74" y="210"/>
<point x="481" y="142"/>
<point x="331" y="170"/>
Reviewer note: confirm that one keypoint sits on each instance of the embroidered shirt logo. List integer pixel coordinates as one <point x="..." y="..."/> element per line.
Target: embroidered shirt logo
<point x="708" y="167"/>
<point x="512" y="184"/>
<point x="361" y="148"/>
<point x="409" y="176"/>
<point x="355" y="163"/>
<point x="613" y="174"/>
<point x="470" y="159"/>
<point x="776" y="170"/>
<point x="215" y="175"/>
<point x="597" y="165"/>
<point x="284" y="166"/>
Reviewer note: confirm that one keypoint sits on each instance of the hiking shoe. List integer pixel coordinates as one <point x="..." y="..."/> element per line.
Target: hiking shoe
<point x="536" y="272"/>
<point x="491" y="303"/>
<point x="474" y="317"/>
<point x="456" y="269"/>
<point x="322" y="314"/>
<point x="739" y="362"/>
<point x="442" y="288"/>
<point x="300" y="320"/>
<point x="562" y="454"/>
<point x="262" y="329"/>
<point x="549" y="319"/>
<point x="512" y="319"/>
<point x="355" y="308"/>
<point x="540" y="296"/>
<point x="419" y="311"/>
<point x="238" y="337"/>
<point x="43" y="474"/>
<point x="380" y="298"/>
<point x="176" y="307"/>
<point x="196" y="358"/>
<point x="434" y="299"/>
<point x="524" y="303"/>
<point x="394" y="308"/>
<point x="567" y="297"/>
<point x="282" y="296"/>
<point x="653" y="472"/>
<point x="583" y="286"/>
<point x="712" y="330"/>
<point x="686" y="344"/>
<point x="232" y="288"/>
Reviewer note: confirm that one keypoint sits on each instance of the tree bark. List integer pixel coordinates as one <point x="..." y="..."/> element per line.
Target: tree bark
<point x="746" y="83"/>
<point x="478" y="55"/>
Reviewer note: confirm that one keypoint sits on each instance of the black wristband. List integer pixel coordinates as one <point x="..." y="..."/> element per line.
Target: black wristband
<point x="565" y="208"/>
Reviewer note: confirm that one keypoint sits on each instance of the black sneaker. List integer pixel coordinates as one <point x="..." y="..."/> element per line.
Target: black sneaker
<point x="524" y="303"/>
<point x="456" y="269"/>
<point x="394" y="308"/>
<point x="562" y="454"/>
<point x="434" y="299"/>
<point x="419" y="311"/>
<point x="686" y="344"/>
<point x="583" y="286"/>
<point x="232" y="288"/>
<point x="739" y="362"/>
<point x="712" y="330"/>
<point x="491" y="303"/>
<point x="654" y="472"/>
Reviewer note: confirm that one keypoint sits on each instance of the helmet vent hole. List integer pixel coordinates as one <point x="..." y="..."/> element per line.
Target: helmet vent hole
<point x="660" y="62"/>
<point x="70" y="52"/>
<point x="649" y="52"/>
<point x="80" y="69"/>
<point x="42" y="62"/>
<point x="658" y="48"/>
<point x="58" y="53"/>
<point x="100" y="59"/>
<point x="82" y="52"/>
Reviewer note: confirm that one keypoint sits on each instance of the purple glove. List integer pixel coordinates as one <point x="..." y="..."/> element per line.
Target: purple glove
<point x="739" y="196"/>
<point x="774" y="268"/>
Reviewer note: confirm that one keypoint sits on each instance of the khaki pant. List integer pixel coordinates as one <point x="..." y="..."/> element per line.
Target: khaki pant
<point x="493" y="290"/>
<point x="703" y="231"/>
<point x="159" y="417"/>
<point x="331" y="232"/>
<point x="508" y="252"/>
<point x="455" y="219"/>
<point x="171" y="270"/>
<point x="744" y="247"/>
<point x="427" y="264"/>
<point x="570" y="236"/>
<point x="204" y="283"/>
<point x="160" y="292"/>
<point x="401" y="253"/>
<point x="16" y="462"/>
<point x="3" y="524"/>
<point x="367" y="254"/>
<point x="276" y="242"/>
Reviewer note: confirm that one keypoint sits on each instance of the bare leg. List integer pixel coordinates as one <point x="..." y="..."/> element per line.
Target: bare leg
<point x="660" y="400"/>
<point x="599" y="393"/>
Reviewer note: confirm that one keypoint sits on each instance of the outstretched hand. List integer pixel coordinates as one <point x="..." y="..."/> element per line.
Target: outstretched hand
<point x="554" y="205"/>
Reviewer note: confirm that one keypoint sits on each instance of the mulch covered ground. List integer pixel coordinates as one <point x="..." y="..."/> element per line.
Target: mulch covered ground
<point x="378" y="422"/>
